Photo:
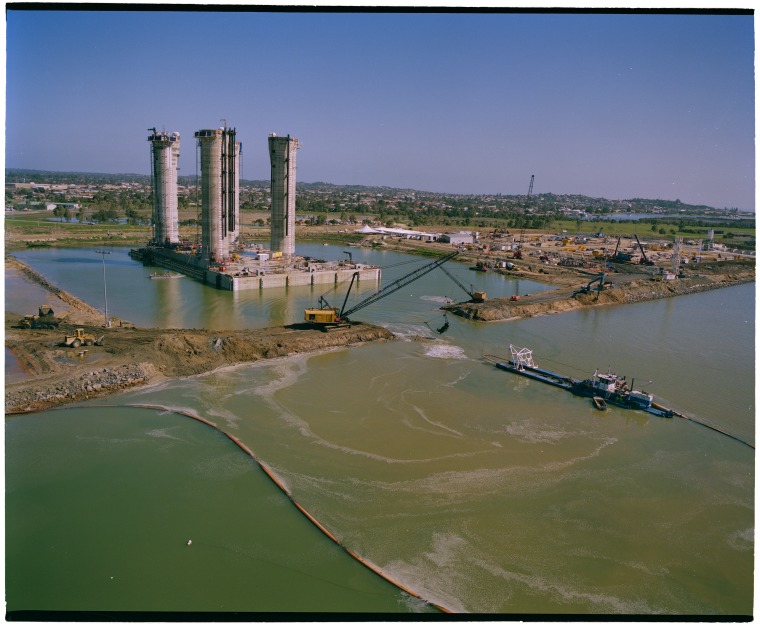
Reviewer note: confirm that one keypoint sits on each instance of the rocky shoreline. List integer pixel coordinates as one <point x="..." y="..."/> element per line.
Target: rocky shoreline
<point x="32" y="397"/>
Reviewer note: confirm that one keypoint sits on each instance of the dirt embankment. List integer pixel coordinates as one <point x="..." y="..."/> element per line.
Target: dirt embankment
<point x="718" y="275"/>
<point x="77" y="311"/>
<point x="131" y="357"/>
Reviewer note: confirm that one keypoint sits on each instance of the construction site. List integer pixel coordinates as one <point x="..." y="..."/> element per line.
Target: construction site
<point x="219" y="257"/>
<point x="597" y="270"/>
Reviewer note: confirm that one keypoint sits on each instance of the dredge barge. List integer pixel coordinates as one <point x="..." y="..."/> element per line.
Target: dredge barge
<point x="607" y="388"/>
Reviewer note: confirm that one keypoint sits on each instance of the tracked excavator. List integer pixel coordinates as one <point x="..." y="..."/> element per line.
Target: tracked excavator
<point x="328" y="316"/>
<point x="587" y="288"/>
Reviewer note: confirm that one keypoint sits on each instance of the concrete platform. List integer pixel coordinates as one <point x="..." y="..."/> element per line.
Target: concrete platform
<point x="244" y="272"/>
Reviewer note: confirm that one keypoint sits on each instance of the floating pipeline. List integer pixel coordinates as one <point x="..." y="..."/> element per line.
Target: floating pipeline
<point x="272" y="476"/>
<point x="281" y="485"/>
<point x="580" y="388"/>
<point x="311" y="518"/>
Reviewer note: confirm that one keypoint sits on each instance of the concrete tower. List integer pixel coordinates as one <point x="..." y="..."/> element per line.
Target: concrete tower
<point x="282" y="155"/>
<point x="164" y="172"/>
<point x="220" y="192"/>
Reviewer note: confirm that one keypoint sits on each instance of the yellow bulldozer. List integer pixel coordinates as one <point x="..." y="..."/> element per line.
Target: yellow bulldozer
<point x="81" y="338"/>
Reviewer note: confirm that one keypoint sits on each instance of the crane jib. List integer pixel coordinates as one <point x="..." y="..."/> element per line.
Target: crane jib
<point x="398" y="284"/>
<point x="470" y="292"/>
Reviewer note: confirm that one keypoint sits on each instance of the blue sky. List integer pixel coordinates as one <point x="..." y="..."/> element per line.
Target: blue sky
<point x="616" y="106"/>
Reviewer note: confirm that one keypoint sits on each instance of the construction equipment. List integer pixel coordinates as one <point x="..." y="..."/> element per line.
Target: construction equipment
<point x="325" y="314"/>
<point x="518" y="253"/>
<point x="587" y="288"/>
<point x="675" y="264"/>
<point x="644" y="260"/>
<point x="45" y="319"/>
<point x="477" y="297"/>
<point x="81" y="338"/>
<point x="620" y="256"/>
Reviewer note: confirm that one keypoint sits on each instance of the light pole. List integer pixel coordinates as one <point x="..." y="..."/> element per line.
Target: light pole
<point x="105" y="291"/>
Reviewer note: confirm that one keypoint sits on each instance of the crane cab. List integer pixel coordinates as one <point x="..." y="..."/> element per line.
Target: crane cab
<point x="321" y="315"/>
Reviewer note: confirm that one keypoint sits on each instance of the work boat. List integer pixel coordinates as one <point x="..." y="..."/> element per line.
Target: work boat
<point x="603" y="388"/>
<point x="614" y="390"/>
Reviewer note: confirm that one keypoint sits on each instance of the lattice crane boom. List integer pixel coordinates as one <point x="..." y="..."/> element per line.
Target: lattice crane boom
<point x="398" y="284"/>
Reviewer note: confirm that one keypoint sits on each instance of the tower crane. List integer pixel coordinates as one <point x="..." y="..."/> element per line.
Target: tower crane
<point x="325" y="314"/>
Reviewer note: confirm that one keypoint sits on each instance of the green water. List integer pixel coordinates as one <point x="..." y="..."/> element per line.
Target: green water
<point x="101" y="503"/>
<point x="481" y="491"/>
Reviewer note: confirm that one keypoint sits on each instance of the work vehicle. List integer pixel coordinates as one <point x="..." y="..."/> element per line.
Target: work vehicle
<point x="45" y="319"/>
<point x="326" y="315"/>
<point x="81" y="338"/>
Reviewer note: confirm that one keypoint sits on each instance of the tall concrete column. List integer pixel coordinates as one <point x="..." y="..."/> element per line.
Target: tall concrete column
<point x="282" y="156"/>
<point x="214" y="243"/>
<point x="164" y="172"/>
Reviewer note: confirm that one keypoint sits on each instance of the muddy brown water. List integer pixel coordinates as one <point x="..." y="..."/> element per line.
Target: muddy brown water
<point x="481" y="491"/>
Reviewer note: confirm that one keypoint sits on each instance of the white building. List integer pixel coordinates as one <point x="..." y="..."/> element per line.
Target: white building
<point x="462" y="237"/>
<point x="409" y="234"/>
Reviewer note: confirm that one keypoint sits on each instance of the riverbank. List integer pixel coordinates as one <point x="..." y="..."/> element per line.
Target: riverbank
<point x="132" y="357"/>
<point x="624" y="289"/>
<point x="68" y="308"/>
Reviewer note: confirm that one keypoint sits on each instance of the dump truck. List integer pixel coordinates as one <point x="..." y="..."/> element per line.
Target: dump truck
<point x="45" y="319"/>
<point x="81" y="338"/>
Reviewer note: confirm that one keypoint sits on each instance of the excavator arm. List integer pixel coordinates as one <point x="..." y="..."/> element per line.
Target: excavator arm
<point x="397" y="285"/>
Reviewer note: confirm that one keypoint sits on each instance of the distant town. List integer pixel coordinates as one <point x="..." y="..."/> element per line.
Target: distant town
<point x="103" y="198"/>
